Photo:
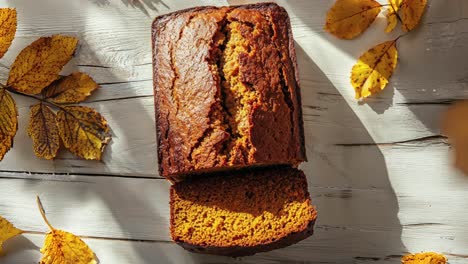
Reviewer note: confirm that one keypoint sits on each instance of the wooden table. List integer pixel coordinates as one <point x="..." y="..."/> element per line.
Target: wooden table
<point x="379" y="172"/>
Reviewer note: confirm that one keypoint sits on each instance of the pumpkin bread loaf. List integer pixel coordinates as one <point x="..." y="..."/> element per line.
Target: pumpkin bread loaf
<point x="226" y="90"/>
<point x="242" y="213"/>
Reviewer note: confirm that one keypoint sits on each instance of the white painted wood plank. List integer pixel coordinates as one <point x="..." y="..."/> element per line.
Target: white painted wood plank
<point x="373" y="201"/>
<point x="351" y="248"/>
<point x="133" y="147"/>
<point x="132" y="150"/>
<point x="356" y="200"/>
<point x="120" y="46"/>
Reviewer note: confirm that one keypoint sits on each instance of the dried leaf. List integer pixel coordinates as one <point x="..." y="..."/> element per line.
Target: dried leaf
<point x="8" y="122"/>
<point x="7" y="28"/>
<point x="391" y="14"/>
<point x="424" y="258"/>
<point x="83" y="131"/>
<point x="62" y="247"/>
<point x="411" y="13"/>
<point x="347" y="19"/>
<point x="457" y="131"/>
<point x="7" y="231"/>
<point x="39" y="64"/>
<point x="73" y="88"/>
<point x="374" y="68"/>
<point x="43" y="131"/>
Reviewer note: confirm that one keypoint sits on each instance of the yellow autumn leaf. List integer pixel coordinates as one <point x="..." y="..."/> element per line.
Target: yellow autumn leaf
<point x="411" y="13"/>
<point x="62" y="247"/>
<point x="73" y="88"/>
<point x="374" y="68"/>
<point x="424" y="258"/>
<point x="7" y="28"/>
<point x="83" y="131"/>
<point x="8" y="122"/>
<point x="392" y="13"/>
<point x="347" y="19"/>
<point x="7" y="231"/>
<point x="40" y="63"/>
<point x="457" y="133"/>
<point x="43" y="131"/>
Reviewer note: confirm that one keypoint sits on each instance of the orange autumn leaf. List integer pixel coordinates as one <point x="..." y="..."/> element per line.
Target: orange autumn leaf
<point x="8" y="122"/>
<point x="43" y="131"/>
<point x="457" y="132"/>
<point x="40" y="63"/>
<point x="424" y="258"/>
<point x="348" y="19"/>
<point x="62" y="247"/>
<point x="411" y="13"/>
<point x="74" y="88"/>
<point x="83" y="131"/>
<point x="7" y="231"/>
<point x="374" y="68"/>
<point x="7" y="28"/>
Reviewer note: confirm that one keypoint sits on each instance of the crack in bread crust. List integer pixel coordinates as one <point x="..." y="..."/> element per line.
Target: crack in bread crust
<point x="233" y="100"/>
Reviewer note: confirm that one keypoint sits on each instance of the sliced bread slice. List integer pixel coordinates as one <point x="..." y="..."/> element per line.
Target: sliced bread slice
<point x="242" y="213"/>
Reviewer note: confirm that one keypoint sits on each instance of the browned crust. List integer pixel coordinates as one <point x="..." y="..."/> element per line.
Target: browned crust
<point x="280" y="17"/>
<point x="293" y="58"/>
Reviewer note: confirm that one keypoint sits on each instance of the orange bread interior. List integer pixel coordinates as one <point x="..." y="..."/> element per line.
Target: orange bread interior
<point x="242" y="209"/>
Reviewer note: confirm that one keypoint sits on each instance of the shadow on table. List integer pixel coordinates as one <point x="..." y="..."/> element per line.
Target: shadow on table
<point x="143" y="5"/>
<point x="357" y="207"/>
<point x="14" y="247"/>
<point x="349" y="184"/>
<point x="430" y="73"/>
<point x="91" y="62"/>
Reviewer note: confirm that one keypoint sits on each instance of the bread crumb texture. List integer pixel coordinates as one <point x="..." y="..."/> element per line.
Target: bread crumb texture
<point x="241" y="210"/>
<point x="424" y="258"/>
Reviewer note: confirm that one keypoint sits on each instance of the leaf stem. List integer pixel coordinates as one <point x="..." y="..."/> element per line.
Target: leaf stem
<point x="42" y="100"/>
<point x="396" y="14"/>
<point x="41" y="209"/>
<point x="401" y="36"/>
<point x="31" y="96"/>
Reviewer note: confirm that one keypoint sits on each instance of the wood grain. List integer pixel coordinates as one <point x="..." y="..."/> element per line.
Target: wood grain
<point x="379" y="171"/>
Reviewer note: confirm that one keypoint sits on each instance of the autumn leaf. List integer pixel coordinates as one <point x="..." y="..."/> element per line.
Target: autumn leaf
<point x="43" y="131"/>
<point x="7" y="28"/>
<point x="392" y="14"/>
<point x="347" y="19"/>
<point x="73" y="88"/>
<point x="457" y="132"/>
<point x="424" y="258"/>
<point x="63" y="247"/>
<point x="8" y="122"/>
<point x="411" y="13"/>
<point x="374" y="68"/>
<point x="39" y="64"/>
<point x="83" y="131"/>
<point x="7" y="231"/>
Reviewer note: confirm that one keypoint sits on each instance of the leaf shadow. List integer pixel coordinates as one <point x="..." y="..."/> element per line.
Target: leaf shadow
<point x="16" y="246"/>
<point x="20" y="242"/>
